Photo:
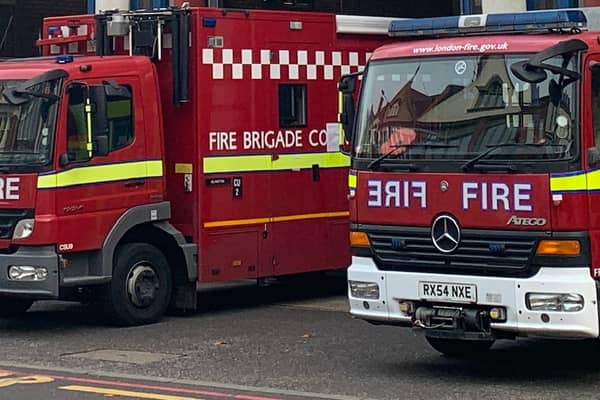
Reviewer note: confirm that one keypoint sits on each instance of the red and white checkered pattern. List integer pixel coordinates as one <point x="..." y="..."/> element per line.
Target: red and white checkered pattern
<point x="282" y="64"/>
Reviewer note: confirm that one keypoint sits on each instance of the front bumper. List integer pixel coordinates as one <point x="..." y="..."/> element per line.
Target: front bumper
<point x="43" y="256"/>
<point x="492" y="292"/>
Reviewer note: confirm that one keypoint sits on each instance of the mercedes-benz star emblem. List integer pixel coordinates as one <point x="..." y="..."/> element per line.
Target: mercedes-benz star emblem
<point x="444" y="186"/>
<point x="445" y="234"/>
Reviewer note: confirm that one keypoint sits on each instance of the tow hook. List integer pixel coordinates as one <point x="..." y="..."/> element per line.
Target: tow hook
<point x="454" y="318"/>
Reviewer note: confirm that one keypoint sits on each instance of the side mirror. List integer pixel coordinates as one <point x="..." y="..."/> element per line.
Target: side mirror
<point x="347" y="115"/>
<point x="347" y="84"/>
<point x="593" y="156"/>
<point x="347" y="87"/>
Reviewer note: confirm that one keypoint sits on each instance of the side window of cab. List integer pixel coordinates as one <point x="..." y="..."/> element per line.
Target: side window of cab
<point x="77" y="126"/>
<point x="119" y="109"/>
<point x="117" y="114"/>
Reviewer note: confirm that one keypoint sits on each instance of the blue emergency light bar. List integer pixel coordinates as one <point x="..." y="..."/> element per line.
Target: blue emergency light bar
<point x="489" y="23"/>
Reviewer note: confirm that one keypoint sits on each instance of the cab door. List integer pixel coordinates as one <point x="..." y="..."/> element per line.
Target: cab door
<point x="94" y="190"/>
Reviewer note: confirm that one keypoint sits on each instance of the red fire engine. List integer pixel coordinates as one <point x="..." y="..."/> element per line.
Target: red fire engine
<point x="475" y="181"/>
<point x="184" y="145"/>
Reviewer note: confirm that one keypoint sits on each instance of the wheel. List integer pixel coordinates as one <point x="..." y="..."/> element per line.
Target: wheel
<point x="12" y="307"/>
<point x="460" y="348"/>
<point x="140" y="290"/>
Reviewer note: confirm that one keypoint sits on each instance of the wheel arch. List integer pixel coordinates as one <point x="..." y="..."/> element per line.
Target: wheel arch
<point x="149" y="224"/>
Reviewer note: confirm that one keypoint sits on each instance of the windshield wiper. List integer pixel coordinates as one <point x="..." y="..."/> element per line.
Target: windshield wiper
<point x="20" y="96"/>
<point x="469" y="165"/>
<point x="375" y="163"/>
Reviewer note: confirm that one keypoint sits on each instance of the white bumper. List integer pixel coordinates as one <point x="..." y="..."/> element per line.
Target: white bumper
<point x="505" y="292"/>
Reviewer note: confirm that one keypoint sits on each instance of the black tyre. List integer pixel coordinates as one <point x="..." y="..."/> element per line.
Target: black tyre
<point x="11" y="307"/>
<point x="140" y="290"/>
<point x="460" y="348"/>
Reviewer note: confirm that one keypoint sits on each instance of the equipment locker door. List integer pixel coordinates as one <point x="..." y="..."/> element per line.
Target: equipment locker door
<point x="309" y="201"/>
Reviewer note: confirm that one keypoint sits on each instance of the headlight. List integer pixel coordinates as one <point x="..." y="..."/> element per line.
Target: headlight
<point x="565" y="302"/>
<point x="364" y="290"/>
<point x="24" y="229"/>
<point x="27" y="273"/>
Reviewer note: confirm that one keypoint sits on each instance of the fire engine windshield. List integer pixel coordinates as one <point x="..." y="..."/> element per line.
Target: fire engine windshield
<point x="428" y="112"/>
<point x="26" y="128"/>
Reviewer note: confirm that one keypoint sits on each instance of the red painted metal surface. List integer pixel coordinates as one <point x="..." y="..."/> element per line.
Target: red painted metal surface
<point x="477" y="201"/>
<point x="287" y="220"/>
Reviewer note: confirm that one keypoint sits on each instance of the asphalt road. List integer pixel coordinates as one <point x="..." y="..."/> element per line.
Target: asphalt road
<point x="290" y="341"/>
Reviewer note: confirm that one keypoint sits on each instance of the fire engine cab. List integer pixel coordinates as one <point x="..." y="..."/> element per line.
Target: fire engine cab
<point x="150" y="150"/>
<point x="474" y="179"/>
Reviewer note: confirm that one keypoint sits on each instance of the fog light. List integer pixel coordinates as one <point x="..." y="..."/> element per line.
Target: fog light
<point x="498" y="314"/>
<point x="407" y="307"/>
<point x="364" y="290"/>
<point x="565" y="302"/>
<point x="27" y="273"/>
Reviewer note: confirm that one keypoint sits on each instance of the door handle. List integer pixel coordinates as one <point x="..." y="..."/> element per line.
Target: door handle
<point x="135" y="183"/>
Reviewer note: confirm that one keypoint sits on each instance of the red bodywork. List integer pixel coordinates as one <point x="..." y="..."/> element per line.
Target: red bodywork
<point x="565" y="209"/>
<point x="250" y="216"/>
<point x="78" y="217"/>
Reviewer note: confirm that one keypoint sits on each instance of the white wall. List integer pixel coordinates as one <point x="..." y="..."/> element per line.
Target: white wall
<point x="500" y="6"/>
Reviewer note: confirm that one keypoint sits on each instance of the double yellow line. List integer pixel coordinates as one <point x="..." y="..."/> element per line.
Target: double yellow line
<point x="125" y="393"/>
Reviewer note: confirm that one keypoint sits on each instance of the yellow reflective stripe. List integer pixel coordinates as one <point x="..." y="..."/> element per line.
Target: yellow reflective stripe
<point x="237" y="222"/>
<point x="593" y="180"/>
<point x="283" y="218"/>
<point x="213" y="165"/>
<point x="311" y="216"/>
<point x="307" y="160"/>
<point x="352" y="180"/>
<point x="568" y="183"/>
<point x="183" y="168"/>
<point x="101" y="173"/>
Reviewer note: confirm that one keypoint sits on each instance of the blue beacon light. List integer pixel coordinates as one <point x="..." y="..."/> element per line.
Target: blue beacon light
<point x="489" y="23"/>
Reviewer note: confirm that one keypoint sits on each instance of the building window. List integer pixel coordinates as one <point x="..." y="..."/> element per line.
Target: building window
<point x="288" y="4"/>
<point x="470" y="7"/>
<point x="292" y="105"/>
<point x="546" y="4"/>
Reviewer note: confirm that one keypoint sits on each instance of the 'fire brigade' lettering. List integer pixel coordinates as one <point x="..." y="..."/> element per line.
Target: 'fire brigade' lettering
<point x="9" y="189"/>
<point x="397" y="194"/>
<point x="266" y="139"/>
<point x="497" y="196"/>
<point x="222" y="140"/>
<point x="317" y="138"/>
<point x="257" y="140"/>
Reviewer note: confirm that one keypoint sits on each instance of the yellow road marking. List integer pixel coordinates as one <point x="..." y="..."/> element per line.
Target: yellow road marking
<point x="125" y="393"/>
<point x="283" y="218"/>
<point x="25" y="380"/>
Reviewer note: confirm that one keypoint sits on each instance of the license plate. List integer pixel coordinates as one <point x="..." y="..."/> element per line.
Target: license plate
<point x="455" y="292"/>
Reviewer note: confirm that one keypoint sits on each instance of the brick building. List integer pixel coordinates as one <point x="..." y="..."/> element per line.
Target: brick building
<point x="20" y="22"/>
